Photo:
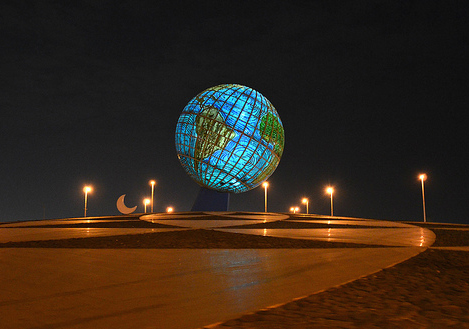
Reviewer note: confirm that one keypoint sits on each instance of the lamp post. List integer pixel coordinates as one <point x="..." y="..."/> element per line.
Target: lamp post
<point x="152" y="183"/>
<point x="305" y="200"/>
<point x="265" y="185"/>
<point x="86" y="190"/>
<point x="145" y="203"/>
<point x="330" y="190"/>
<point x="423" y="177"/>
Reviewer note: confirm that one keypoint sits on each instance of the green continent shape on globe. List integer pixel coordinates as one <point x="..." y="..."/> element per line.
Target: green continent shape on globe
<point x="272" y="131"/>
<point x="212" y="134"/>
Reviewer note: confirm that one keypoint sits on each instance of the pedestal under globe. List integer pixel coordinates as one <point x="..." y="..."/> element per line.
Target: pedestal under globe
<point x="229" y="138"/>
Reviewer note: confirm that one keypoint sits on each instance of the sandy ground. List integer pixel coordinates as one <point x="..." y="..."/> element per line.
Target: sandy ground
<point x="430" y="290"/>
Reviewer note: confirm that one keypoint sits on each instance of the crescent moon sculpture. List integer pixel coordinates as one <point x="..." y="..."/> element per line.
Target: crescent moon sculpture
<point x="122" y="207"/>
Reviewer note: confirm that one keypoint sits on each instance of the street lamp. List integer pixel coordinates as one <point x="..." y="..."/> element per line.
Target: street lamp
<point x="423" y="177"/>
<point x="152" y="183"/>
<point x="294" y="209"/>
<point x="265" y="185"/>
<point x="305" y="200"/>
<point x="87" y="189"/>
<point x="169" y="209"/>
<point x="330" y="190"/>
<point x="145" y="203"/>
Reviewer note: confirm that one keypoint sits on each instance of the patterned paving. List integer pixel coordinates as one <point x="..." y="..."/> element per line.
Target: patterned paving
<point x="183" y="288"/>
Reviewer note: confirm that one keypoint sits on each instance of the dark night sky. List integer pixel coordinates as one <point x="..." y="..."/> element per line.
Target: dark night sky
<point x="371" y="93"/>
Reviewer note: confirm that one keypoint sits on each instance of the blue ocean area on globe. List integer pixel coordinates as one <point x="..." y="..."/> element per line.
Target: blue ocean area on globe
<point x="229" y="138"/>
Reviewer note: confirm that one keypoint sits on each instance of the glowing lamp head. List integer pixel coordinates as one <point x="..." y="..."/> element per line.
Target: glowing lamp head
<point x="152" y="183"/>
<point x="146" y="201"/>
<point x="305" y="200"/>
<point x="423" y="177"/>
<point x="87" y="189"/>
<point x="265" y="185"/>
<point x="169" y="209"/>
<point x="330" y="190"/>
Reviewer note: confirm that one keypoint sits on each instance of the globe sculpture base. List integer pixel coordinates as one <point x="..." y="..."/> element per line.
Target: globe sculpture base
<point x="211" y="200"/>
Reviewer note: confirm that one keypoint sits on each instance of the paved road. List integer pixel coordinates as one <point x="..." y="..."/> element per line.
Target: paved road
<point x="129" y="288"/>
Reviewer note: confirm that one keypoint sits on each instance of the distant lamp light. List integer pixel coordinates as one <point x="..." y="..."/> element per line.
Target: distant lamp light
<point x="152" y="183"/>
<point x="306" y="201"/>
<point x="169" y="209"/>
<point x="423" y="178"/>
<point x="146" y="202"/>
<point x="87" y="189"/>
<point x="330" y="190"/>
<point x="265" y="185"/>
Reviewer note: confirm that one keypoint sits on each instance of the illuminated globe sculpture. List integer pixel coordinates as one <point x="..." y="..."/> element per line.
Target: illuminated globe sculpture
<point x="229" y="138"/>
